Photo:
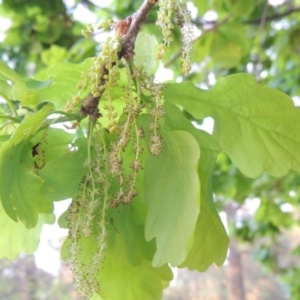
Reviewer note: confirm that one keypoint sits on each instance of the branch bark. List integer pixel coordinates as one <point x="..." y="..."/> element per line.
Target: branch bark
<point x="254" y="21"/>
<point x="273" y="17"/>
<point x="90" y="103"/>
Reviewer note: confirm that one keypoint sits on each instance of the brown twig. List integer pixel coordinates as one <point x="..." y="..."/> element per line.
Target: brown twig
<point x="273" y="17"/>
<point x="201" y="22"/>
<point x="253" y="21"/>
<point x="260" y="48"/>
<point x="90" y="103"/>
<point x="136" y="21"/>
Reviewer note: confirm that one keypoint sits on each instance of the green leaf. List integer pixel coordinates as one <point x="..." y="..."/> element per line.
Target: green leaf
<point x="175" y="120"/>
<point x="5" y="90"/>
<point x="121" y="280"/>
<point x="82" y="48"/>
<point x="7" y="72"/>
<point x="270" y="212"/>
<point x="202" y="6"/>
<point x="55" y="54"/>
<point x="66" y="76"/>
<point x="15" y="238"/>
<point x="31" y="125"/>
<point x="254" y="124"/>
<point x="202" y="46"/>
<point x="62" y="221"/>
<point x="62" y="175"/>
<point x="33" y="84"/>
<point x="210" y="238"/>
<point x="126" y="272"/>
<point x="240" y="8"/>
<point x="172" y="196"/>
<point x="4" y="138"/>
<point x="17" y="174"/>
<point x="229" y="45"/>
<point x="31" y="92"/>
<point x="145" y="46"/>
<point x="59" y="89"/>
<point x="19" y="185"/>
<point x="96" y="297"/>
<point x="51" y="143"/>
<point x="210" y="242"/>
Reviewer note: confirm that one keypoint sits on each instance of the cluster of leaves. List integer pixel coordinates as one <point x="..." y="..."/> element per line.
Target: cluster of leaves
<point x="39" y="35"/>
<point x="172" y="218"/>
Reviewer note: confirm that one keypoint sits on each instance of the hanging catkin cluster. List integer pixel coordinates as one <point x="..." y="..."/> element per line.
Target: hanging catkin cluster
<point x="167" y="11"/>
<point x="86" y="216"/>
<point x="105" y="163"/>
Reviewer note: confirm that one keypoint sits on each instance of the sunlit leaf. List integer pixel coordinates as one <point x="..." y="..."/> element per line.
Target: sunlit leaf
<point x="240" y="8"/>
<point x="49" y="144"/>
<point x="145" y="51"/>
<point x="16" y="238"/>
<point x="210" y="242"/>
<point x="254" y="124"/>
<point x="5" y="90"/>
<point x="30" y="125"/>
<point x="229" y="45"/>
<point x="20" y="186"/>
<point x="270" y="212"/>
<point x="62" y="175"/>
<point x="58" y="89"/>
<point x="96" y="297"/>
<point x="53" y="55"/>
<point x="7" y="73"/>
<point x="126" y="272"/>
<point x="29" y="91"/>
<point x="172" y="195"/>
<point x="130" y="254"/>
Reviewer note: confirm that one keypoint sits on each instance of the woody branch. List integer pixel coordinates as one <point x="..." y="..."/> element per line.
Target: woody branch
<point x="133" y="25"/>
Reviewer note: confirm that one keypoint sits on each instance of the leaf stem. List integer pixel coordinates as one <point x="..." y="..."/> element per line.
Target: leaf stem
<point x="90" y="131"/>
<point x="106" y="187"/>
<point x="15" y="119"/>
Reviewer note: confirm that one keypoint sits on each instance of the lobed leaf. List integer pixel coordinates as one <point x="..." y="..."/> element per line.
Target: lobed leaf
<point x="7" y="73"/>
<point x="16" y="239"/>
<point x="30" y="125"/>
<point x="210" y="241"/>
<point x="254" y="124"/>
<point x="5" y="90"/>
<point x="51" y="143"/>
<point x="20" y="185"/>
<point x="172" y="195"/>
<point x="144" y="49"/>
<point x="63" y="174"/>
<point x="126" y="272"/>
<point x="58" y="89"/>
<point x="96" y="297"/>
<point x="229" y="45"/>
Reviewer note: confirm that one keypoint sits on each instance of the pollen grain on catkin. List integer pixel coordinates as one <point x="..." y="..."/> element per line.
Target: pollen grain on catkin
<point x="169" y="10"/>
